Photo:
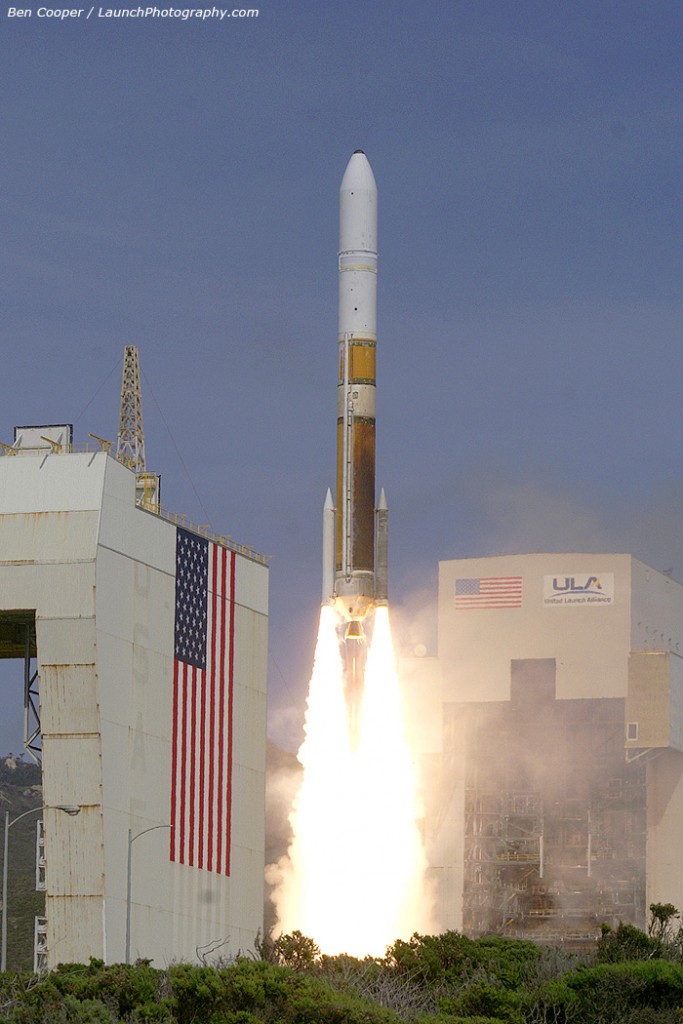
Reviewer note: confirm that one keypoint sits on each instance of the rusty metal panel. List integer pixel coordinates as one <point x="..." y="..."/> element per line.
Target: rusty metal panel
<point x="68" y="699"/>
<point x="72" y="769"/>
<point x="74" y="929"/>
<point x="654" y="705"/>
<point x="73" y="852"/>
<point x="647" y="702"/>
<point x="57" y="591"/>
<point x="65" y="641"/>
<point x="48" y="536"/>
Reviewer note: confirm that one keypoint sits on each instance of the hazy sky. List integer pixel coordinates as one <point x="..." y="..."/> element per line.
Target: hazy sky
<point x="173" y="184"/>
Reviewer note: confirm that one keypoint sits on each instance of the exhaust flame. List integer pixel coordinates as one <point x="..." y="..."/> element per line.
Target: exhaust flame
<point x="353" y="879"/>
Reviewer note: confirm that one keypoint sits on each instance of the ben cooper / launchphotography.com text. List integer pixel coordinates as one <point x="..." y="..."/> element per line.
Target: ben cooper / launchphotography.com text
<point x="180" y="13"/>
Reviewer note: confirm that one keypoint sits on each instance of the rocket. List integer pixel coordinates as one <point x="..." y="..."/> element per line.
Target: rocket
<point x="355" y="567"/>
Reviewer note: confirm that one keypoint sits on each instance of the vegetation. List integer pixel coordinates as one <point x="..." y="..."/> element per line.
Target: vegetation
<point x="20" y="791"/>
<point x="632" y="977"/>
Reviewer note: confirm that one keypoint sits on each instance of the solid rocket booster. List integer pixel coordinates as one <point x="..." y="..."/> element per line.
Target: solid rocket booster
<point x="359" y="570"/>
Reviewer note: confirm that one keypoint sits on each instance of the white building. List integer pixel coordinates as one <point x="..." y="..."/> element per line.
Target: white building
<point x="561" y="797"/>
<point x="150" y="645"/>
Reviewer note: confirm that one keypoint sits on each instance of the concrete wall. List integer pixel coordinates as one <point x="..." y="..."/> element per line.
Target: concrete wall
<point x="627" y="643"/>
<point x="657" y="619"/>
<point x="100" y="574"/>
<point x="477" y="645"/>
<point x="664" y="828"/>
<point x="654" y="707"/>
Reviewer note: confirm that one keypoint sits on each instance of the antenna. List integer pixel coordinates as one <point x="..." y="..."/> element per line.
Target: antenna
<point x="130" y="448"/>
<point x="131" y="442"/>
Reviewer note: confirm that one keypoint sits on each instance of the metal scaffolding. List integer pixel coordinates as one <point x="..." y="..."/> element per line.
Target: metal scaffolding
<point x="554" y="819"/>
<point x="131" y="440"/>
<point x="130" y="447"/>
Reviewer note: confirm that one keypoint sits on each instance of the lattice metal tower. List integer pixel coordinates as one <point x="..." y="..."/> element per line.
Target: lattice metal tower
<point x="131" y="441"/>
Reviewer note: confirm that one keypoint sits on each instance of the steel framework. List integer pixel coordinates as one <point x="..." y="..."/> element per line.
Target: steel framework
<point x="130" y="448"/>
<point x="554" y="819"/>
<point x="131" y="440"/>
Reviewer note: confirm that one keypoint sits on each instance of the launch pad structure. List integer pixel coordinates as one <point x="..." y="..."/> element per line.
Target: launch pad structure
<point x="141" y="730"/>
<point x="554" y="847"/>
<point x="560" y="801"/>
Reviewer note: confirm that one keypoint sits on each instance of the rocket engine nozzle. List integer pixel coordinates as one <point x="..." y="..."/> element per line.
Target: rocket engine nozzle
<point x="354" y="631"/>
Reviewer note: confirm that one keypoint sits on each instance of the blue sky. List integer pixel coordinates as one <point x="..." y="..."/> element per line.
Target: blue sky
<point x="174" y="185"/>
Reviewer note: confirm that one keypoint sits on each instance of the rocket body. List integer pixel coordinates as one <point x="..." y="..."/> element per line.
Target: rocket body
<point x="359" y="528"/>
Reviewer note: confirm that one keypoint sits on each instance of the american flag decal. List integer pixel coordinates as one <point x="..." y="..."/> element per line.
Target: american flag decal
<point x="489" y="592"/>
<point x="203" y="670"/>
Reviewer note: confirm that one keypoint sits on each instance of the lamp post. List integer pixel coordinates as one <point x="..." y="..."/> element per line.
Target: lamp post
<point x="70" y="809"/>
<point x="129" y="882"/>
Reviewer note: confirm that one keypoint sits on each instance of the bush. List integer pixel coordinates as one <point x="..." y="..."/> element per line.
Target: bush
<point x="621" y="992"/>
<point x="445" y="979"/>
<point x="483" y="999"/>
<point x="627" y="943"/>
<point x="452" y="959"/>
<point x="553" y="1002"/>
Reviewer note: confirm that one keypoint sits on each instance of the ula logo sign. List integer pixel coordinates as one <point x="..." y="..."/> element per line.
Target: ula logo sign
<point x="579" y="588"/>
<point x="570" y="584"/>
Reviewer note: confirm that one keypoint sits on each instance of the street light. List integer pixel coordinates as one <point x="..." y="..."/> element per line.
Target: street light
<point x="71" y="810"/>
<point x="131" y="840"/>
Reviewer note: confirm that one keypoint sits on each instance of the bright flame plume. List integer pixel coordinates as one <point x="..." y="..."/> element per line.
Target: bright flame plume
<point x="353" y="879"/>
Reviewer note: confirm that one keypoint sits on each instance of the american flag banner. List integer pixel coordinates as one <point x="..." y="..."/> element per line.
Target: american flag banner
<point x="203" y="676"/>
<point x="489" y="592"/>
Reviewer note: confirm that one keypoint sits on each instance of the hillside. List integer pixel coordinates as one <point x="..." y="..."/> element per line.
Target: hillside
<point x="20" y="791"/>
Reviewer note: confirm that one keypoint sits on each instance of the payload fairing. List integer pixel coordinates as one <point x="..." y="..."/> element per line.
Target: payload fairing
<point x="355" y="533"/>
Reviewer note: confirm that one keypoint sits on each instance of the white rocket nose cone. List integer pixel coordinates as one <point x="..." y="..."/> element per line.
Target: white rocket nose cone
<point x="358" y="208"/>
<point x="358" y="174"/>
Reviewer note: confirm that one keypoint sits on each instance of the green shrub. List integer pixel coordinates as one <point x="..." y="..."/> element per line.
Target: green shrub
<point x="621" y="992"/>
<point x="450" y="1019"/>
<point x="86" y="1011"/>
<point x="552" y="1001"/>
<point x="481" y="998"/>
<point x="296" y="951"/>
<point x="198" y="993"/>
<point x="452" y="958"/>
<point x="241" y="1017"/>
<point x="626" y="943"/>
<point x="510" y="961"/>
